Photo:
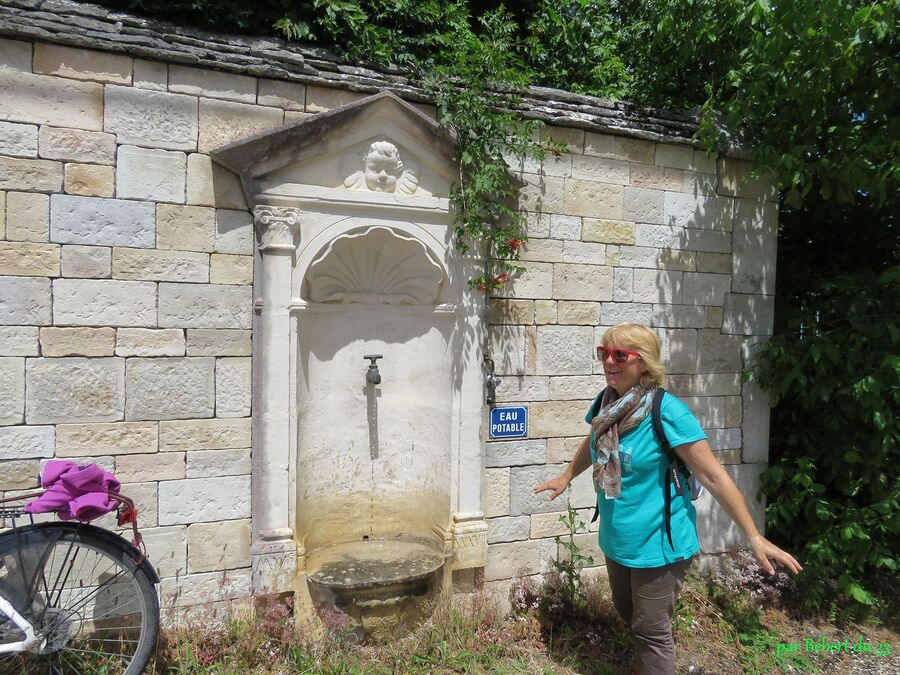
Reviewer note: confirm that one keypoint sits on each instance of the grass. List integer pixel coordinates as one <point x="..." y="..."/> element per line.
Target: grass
<point x="724" y="623"/>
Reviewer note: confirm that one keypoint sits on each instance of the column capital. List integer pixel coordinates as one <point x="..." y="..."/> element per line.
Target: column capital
<point x="278" y="225"/>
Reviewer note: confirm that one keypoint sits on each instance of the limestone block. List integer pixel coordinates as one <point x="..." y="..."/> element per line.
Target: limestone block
<point x="536" y="281"/>
<point x="320" y="99"/>
<point x="204" y="306"/>
<point x="224" y="342"/>
<point x="506" y="345"/>
<point x="545" y="311"/>
<point x="77" y="341"/>
<point x="167" y="546"/>
<point x="706" y="289"/>
<point x="231" y="269"/>
<point x="725" y="439"/>
<point x="714" y="317"/>
<point x="12" y="390"/>
<point x="154" y="466"/>
<point x="218" y="546"/>
<point x="559" y="166"/>
<point x="550" y="419"/>
<point x="607" y="231"/>
<point x="578" y="313"/>
<point x="565" y="227"/>
<point x="675" y="156"/>
<point x="209" y="184"/>
<point x="679" y="351"/>
<point x="507" y="560"/>
<point x="612" y="313"/>
<point x="19" y="340"/>
<point x="705" y="162"/>
<point x="27" y="217"/>
<point x="658" y="236"/>
<point x="715" y="528"/>
<point x="150" y="342"/>
<point x="234" y="232"/>
<point x="716" y="263"/>
<point x="145" y="499"/>
<point x="755" y="241"/>
<point x="562" y="450"/>
<point x="709" y="410"/>
<point x="573" y="139"/>
<point x="537" y="225"/>
<point x="92" y="262"/>
<point x="582" y="282"/>
<point x="185" y="228"/>
<point x="155" y="265"/>
<point x="639" y="256"/>
<point x="170" y="388"/>
<point x="19" y="474"/>
<point x="543" y="193"/>
<point x="233" y="387"/>
<point x="119" y="438"/>
<point x="496" y="491"/>
<point x="755" y="423"/>
<point x="223" y="122"/>
<point x="26" y="442"/>
<point x="542" y="250"/>
<point x="211" y="83"/>
<point x="519" y="452"/>
<point x="523" y="388"/>
<point x="150" y="75"/>
<point x="204" y="435"/>
<point x="91" y="180"/>
<point x="204" y="589"/>
<point x="101" y="222"/>
<point x="679" y="316"/>
<point x="29" y="260"/>
<point x="18" y="140"/>
<point x="748" y="314"/>
<point x="523" y="500"/>
<point x="75" y="145"/>
<point x="575" y="387"/>
<point x="680" y="385"/>
<point x="643" y="205"/>
<point x="510" y="311"/>
<point x="211" y="463"/>
<point x="656" y="177"/>
<point x="74" y="390"/>
<point x="81" y="64"/>
<point x="564" y="350"/>
<point x="151" y="118"/>
<point x="635" y="150"/>
<point x="151" y="174"/>
<point x="196" y="500"/>
<point x="599" y="145"/>
<point x="581" y="491"/>
<point x="546" y="525"/>
<point x="660" y="287"/>
<point x="24" y="301"/>
<point x="15" y="55"/>
<point x="103" y="302"/>
<point x="698" y="211"/>
<point x="2" y="215"/>
<point x="623" y="284"/>
<point x="38" y="175"/>
<point x="736" y="180"/>
<point x="281" y="94"/>
<point x="717" y="353"/>
<point x="584" y="252"/>
<point x="508" y="529"/>
<point x="41" y="99"/>
<point x="593" y="199"/>
<point x="586" y="167"/>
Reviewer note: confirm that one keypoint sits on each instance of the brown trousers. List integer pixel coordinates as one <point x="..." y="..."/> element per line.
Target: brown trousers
<point x="645" y="599"/>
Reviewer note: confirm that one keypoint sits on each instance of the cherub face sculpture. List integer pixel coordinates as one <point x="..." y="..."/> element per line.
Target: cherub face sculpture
<point x="382" y="167"/>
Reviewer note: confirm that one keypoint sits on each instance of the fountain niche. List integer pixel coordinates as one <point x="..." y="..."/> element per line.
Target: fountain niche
<point x="368" y="398"/>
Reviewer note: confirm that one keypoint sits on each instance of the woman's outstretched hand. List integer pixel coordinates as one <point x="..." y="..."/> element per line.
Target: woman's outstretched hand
<point x="765" y="551"/>
<point x="557" y="486"/>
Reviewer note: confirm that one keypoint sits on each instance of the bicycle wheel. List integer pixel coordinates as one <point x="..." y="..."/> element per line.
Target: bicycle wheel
<point x="93" y="609"/>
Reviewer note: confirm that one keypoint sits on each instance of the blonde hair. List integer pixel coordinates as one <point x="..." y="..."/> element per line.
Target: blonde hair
<point x="643" y="340"/>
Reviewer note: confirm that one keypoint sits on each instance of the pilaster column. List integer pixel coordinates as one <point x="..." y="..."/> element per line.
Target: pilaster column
<point x="273" y="552"/>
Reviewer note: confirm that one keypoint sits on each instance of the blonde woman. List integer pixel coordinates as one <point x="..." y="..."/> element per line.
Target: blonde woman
<point x="630" y="470"/>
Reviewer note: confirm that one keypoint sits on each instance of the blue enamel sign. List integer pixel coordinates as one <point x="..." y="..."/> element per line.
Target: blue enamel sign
<point x="509" y="422"/>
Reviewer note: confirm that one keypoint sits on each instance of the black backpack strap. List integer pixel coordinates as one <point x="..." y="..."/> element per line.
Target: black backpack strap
<point x="673" y="473"/>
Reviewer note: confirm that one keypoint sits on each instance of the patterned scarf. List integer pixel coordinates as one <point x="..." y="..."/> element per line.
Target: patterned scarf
<point x="617" y="417"/>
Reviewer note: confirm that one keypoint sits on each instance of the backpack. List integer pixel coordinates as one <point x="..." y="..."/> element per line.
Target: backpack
<point x="677" y="474"/>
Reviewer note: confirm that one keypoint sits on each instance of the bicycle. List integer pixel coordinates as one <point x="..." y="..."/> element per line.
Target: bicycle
<point x="75" y="598"/>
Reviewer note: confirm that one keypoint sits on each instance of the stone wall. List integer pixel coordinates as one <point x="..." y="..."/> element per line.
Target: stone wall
<point x="126" y="276"/>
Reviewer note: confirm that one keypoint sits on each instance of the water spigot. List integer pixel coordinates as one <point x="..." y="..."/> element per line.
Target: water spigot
<point x="372" y="374"/>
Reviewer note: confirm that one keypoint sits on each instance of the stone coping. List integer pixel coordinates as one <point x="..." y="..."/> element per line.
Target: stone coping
<point x="91" y="26"/>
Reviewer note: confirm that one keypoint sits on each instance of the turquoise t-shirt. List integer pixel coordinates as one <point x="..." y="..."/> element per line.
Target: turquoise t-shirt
<point x="632" y="527"/>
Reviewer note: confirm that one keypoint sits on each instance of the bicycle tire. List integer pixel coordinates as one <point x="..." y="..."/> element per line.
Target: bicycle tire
<point x="96" y="610"/>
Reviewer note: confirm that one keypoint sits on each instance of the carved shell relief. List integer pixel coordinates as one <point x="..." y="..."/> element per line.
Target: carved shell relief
<point x="381" y="170"/>
<point x="373" y="267"/>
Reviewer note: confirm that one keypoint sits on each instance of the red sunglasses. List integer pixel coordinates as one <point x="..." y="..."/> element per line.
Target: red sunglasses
<point x="618" y="355"/>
